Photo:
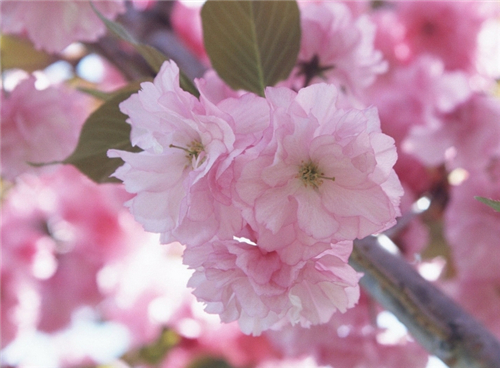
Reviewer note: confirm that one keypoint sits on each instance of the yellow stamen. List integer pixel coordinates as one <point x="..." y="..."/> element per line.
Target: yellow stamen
<point x="311" y="175"/>
<point x="193" y="150"/>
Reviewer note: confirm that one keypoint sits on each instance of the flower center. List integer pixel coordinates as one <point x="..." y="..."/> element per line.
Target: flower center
<point x="310" y="174"/>
<point x="195" y="152"/>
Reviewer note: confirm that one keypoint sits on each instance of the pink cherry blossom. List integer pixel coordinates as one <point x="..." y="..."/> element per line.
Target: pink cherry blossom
<point x="182" y="178"/>
<point x="213" y="89"/>
<point x="339" y="342"/>
<point x="390" y="37"/>
<point x="32" y="120"/>
<point x="471" y="227"/>
<point x="53" y="25"/>
<point x="446" y="29"/>
<point x="58" y="230"/>
<point x="328" y="169"/>
<point x="434" y="93"/>
<point x="243" y="282"/>
<point x="471" y="132"/>
<point x="180" y="144"/>
<point x="337" y="48"/>
<point x="202" y="337"/>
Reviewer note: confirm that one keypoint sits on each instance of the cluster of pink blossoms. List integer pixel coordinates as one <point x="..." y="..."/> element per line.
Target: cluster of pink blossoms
<point x="58" y="230"/>
<point x="266" y="193"/>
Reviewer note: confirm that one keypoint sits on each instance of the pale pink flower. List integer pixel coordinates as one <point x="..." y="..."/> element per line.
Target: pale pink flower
<point x="327" y="169"/>
<point x="210" y="210"/>
<point x="180" y="143"/>
<point x="181" y="178"/>
<point x="53" y="25"/>
<point x="292" y="244"/>
<point x="213" y="89"/>
<point x="39" y="126"/>
<point x="337" y="48"/>
<point x="244" y="282"/>
<point x="446" y="29"/>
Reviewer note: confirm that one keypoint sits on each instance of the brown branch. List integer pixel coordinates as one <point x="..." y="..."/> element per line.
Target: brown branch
<point x="434" y="320"/>
<point x="131" y="64"/>
<point x="151" y="27"/>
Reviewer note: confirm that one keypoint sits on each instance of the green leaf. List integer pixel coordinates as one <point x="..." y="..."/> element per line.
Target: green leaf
<point x="153" y="57"/>
<point x="252" y="44"/>
<point x="104" y="96"/>
<point x="490" y="202"/>
<point x="209" y="362"/>
<point x="153" y="353"/>
<point x="106" y="128"/>
<point x="100" y="95"/>
<point x="20" y="53"/>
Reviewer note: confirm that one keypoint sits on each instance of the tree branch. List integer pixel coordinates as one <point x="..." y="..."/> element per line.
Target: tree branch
<point x="434" y="320"/>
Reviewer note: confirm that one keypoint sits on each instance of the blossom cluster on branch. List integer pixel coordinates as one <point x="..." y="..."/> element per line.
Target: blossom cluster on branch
<point x="291" y="173"/>
<point x="316" y="123"/>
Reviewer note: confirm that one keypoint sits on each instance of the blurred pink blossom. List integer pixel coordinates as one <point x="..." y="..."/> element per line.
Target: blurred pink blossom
<point x="390" y="37"/>
<point x="472" y="231"/>
<point x="445" y="29"/>
<point x="434" y="92"/>
<point x="471" y="227"/>
<point x="478" y="296"/>
<point x="339" y="342"/>
<point x="9" y="305"/>
<point x="186" y="22"/>
<point x="39" y="126"/>
<point x="466" y="137"/>
<point x="146" y="288"/>
<point x="204" y="337"/>
<point x="58" y="230"/>
<point x="53" y="25"/>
